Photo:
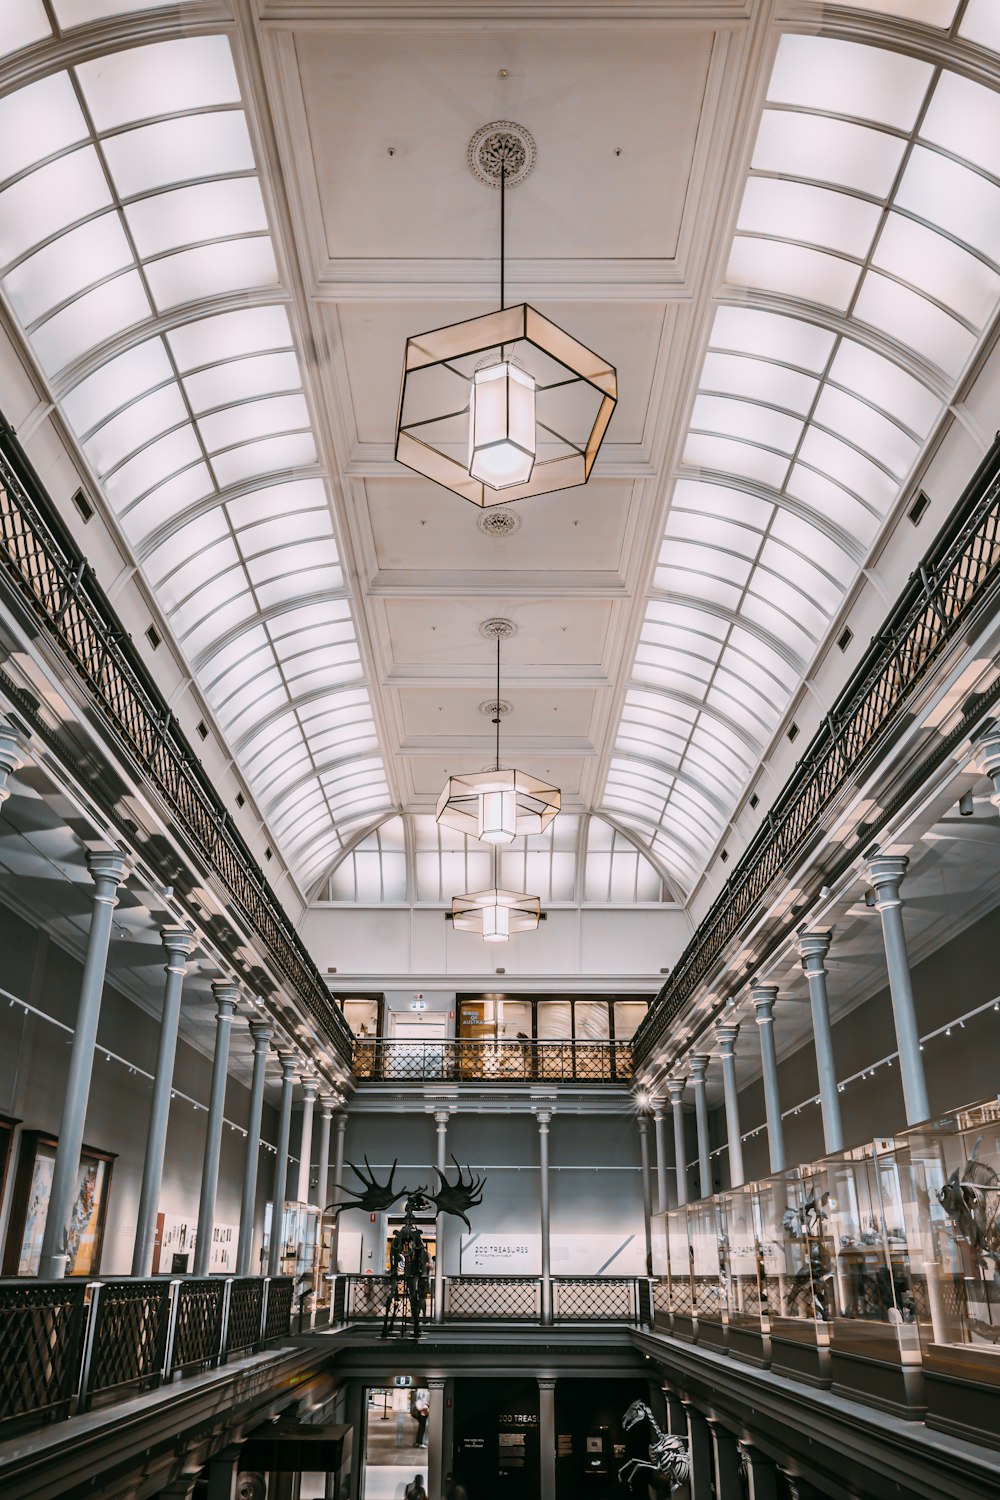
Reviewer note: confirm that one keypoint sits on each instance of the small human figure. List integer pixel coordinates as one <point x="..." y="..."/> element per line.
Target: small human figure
<point x="416" y="1491"/>
<point x="421" y="1411"/>
<point x="453" y="1490"/>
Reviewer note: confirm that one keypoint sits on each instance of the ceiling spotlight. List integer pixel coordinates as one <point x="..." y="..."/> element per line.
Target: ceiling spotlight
<point x="508" y="404"/>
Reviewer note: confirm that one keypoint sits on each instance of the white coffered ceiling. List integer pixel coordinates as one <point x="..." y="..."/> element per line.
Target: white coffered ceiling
<point x="220" y="222"/>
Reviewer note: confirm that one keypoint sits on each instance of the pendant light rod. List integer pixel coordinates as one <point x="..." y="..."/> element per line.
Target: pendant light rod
<point x="503" y="225"/>
<point x="497" y="709"/>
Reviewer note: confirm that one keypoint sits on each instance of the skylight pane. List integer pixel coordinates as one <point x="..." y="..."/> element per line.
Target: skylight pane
<point x="152" y="465"/>
<point x="76" y="260"/>
<point x="867" y="429"/>
<point x="702" y="452"/>
<point x="964" y="117"/>
<point x="848" y="467"/>
<point x="167" y="502"/>
<point x="196" y="536"/>
<point x="792" y="270"/>
<point x="252" y="419"/>
<point x="211" y="271"/>
<point x="272" y="500"/>
<point x="981" y="23"/>
<point x="270" y="456"/>
<point x="207" y="211"/>
<point x="173" y="151"/>
<point x="852" y="156"/>
<point x="794" y="341"/>
<point x="914" y="321"/>
<point x="92" y="318"/>
<point x="745" y="419"/>
<point x="137" y="424"/>
<point x="21" y="23"/>
<point x="239" y="379"/>
<point x="760" y="379"/>
<point x="37" y="121"/>
<point x="820" y="216"/>
<point x="846" y="78"/>
<point x="722" y="500"/>
<point x="832" y="502"/>
<point x="229" y="335"/>
<point x="166" y="78"/>
<point x="884" y="384"/>
<point x="69" y="188"/>
<point x="937" y="266"/>
<point x="79" y="12"/>
<point x="115" y="384"/>
<point x="951" y="195"/>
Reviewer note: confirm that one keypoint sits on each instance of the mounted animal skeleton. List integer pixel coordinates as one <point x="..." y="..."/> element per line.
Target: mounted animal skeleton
<point x="669" y="1458"/>
<point x="409" y="1262"/>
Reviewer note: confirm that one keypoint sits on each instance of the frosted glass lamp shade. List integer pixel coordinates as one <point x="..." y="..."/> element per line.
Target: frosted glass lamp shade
<point x="502" y="426"/>
<point x="497" y="806"/>
<point x="496" y="915"/>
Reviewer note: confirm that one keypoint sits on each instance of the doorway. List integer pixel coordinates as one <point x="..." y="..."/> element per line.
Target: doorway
<point x="395" y="1437"/>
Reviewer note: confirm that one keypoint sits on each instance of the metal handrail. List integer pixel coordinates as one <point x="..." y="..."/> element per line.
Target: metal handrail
<point x="502" y="1061"/>
<point x="959" y="572"/>
<point x="51" y="575"/>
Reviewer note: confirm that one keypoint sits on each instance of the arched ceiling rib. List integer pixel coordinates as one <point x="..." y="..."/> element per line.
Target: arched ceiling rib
<point x="136" y="252"/>
<point x="863" y="274"/>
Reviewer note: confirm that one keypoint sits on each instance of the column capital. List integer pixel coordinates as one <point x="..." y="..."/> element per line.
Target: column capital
<point x="177" y="939"/>
<point x="884" y="873"/>
<point x="544" y="1118"/>
<point x="289" y="1066"/>
<point x="727" y="1032"/>
<point x="656" y="1107"/>
<point x="340" y="1121"/>
<point x="13" y="755"/>
<point x="762" y="998"/>
<point x="226" y="994"/>
<point x="813" y="947"/>
<point x="987" y="754"/>
<point x="642" y="1119"/>
<point x="108" y="867"/>
<point x="326" y="1107"/>
<point x="546" y="1382"/>
<point x="310" y="1087"/>
<point x="262" y="1032"/>
<point x="436" y="1382"/>
<point x="675" y="1088"/>
<point x="441" y="1118"/>
<point x="698" y="1063"/>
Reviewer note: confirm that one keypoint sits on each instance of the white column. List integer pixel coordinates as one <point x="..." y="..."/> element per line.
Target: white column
<point x="309" y="1086"/>
<point x="281" y="1164"/>
<point x="763" y="997"/>
<point x="699" y="1067"/>
<point x="261" y="1032"/>
<point x="647" y="1204"/>
<point x="178" y="942"/>
<point x="547" y="1437"/>
<point x="108" y="870"/>
<point x="13" y="755"/>
<point x="675" y="1088"/>
<point x="544" y="1117"/>
<point x="660" y="1138"/>
<point x="226" y="995"/>
<point x="727" y="1034"/>
<point x="885" y="875"/>
<point x="323" y="1174"/>
<point x="441" y="1123"/>
<point x="813" y="948"/>
<point x="435" y="1434"/>
<point x="338" y="1172"/>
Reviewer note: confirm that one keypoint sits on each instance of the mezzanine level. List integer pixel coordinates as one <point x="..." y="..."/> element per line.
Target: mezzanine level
<point x="384" y="1060"/>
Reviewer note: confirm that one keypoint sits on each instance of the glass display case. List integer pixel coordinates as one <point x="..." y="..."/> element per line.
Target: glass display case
<point x="709" y="1271"/>
<point x="744" y="1258"/>
<point x="874" y="1305"/>
<point x="953" y="1202"/>
<point x="682" y="1315"/>
<point x="798" y="1274"/>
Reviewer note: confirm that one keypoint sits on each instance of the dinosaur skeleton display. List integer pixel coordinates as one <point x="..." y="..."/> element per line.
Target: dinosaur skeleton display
<point x="409" y="1263"/>
<point x="668" y="1459"/>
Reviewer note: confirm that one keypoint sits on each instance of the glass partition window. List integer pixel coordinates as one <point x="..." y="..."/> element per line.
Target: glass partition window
<point x="362" y="1016"/>
<point x="866" y="243"/>
<point x="745" y="1258"/>
<point x="375" y="869"/>
<point x="616" y="871"/>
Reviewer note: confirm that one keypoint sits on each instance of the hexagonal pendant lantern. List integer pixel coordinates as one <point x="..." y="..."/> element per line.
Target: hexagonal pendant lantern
<point x="496" y="915"/>
<point x="505" y="405"/>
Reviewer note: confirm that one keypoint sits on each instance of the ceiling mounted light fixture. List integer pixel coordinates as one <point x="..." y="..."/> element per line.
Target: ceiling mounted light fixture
<point x="499" y="804"/>
<point x="496" y="915"/>
<point x="506" y="405"/>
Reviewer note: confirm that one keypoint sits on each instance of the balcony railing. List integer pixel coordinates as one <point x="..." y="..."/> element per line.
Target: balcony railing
<point x="957" y="578"/>
<point x="49" y="573"/>
<point x="492" y="1062"/>
<point x="505" y="1299"/>
<point x="66" y="1344"/>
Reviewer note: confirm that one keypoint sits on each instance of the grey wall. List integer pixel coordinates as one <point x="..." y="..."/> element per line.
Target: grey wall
<point x="961" y="1069"/>
<point x="34" y="1058"/>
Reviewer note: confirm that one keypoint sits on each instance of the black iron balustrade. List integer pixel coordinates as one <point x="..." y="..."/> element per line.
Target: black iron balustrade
<point x="40" y="559"/>
<point x="505" y="1299"/>
<point x="595" y="1299"/>
<point x="502" y="1061"/>
<point x="64" y="1344"/>
<point x="956" y="582"/>
<point x="495" y="1298"/>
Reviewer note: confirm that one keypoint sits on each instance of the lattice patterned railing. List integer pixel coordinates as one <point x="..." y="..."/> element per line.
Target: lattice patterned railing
<point x="278" y="1316"/>
<point x="594" y="1298"/>
<point x="41" y="1336"/>
<point x="958" y="575"/>
<point x="492" y="1062"/>
<point x="129" y="1334"/>
<point x="246" y="1299"/>
<point x="497" y="1298"/>
<point x="50" y="575"/>
<point x="198" y="1324"/>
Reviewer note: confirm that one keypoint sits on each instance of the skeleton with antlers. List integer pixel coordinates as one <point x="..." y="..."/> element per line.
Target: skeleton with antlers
<point x="409" y="1262"/>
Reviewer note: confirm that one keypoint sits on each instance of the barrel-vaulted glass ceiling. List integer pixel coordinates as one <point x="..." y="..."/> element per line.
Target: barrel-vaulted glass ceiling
<point x="136" y="253"/>
<point x="863" y="275"/>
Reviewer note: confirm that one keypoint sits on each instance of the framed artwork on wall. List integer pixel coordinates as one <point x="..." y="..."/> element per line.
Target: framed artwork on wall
<point x="8" y="1125"/>
<point x="30" y="1204"/>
